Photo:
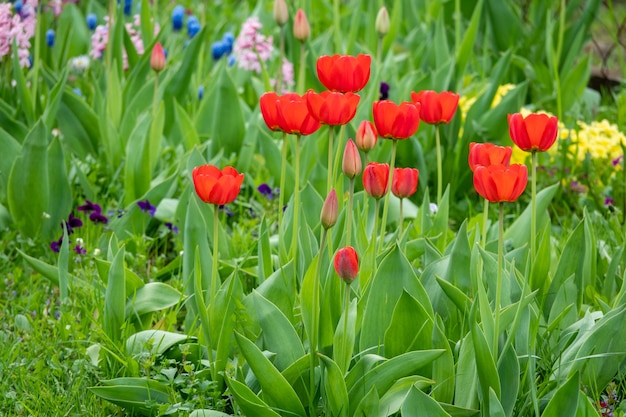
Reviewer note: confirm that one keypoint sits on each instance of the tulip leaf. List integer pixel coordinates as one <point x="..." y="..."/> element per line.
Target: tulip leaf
<point x="564" y="403"/>
<point x="115" y="296"/>
<point x="276" y="390"/>
<point x="137" y="394"/>
<point x="154" y="342"/>
<point x="220" y="116"/>
<point x="335" y="387"/>
<point x="487" y="372"/>
<point x="410" y="328"/>
<point x="466" y="389"/>
<point x="28" y="185"/>
<point x="11" y="149"/>
<point x="383" y="376"/>
<point x="279" y="335"/>
<point x="418" y="403"/>
<point x="250" y="404"/>
<point x="60" y="206"/>
<point x="384" y="294"/>
<point x="392" y="400"/>
<point x="153" y="296"/>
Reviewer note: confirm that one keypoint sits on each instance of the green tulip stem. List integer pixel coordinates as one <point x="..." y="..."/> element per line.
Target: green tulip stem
<point x="394" y="145"/>
<point x="439" y="168"/>
<point x="214" y="278"/>
<point x="283" y="174"/>
<point x="344" y="338"/>
<point x="36" y="59"/>
<point x="375" y="233"/>
<point x="296" y="209"/>
<point x="401" y="218"/>
<point x="279" y="75"/>
<point x="366" y="200"/>
<point x="338" y="159"/>
<point x="337" y="26"/>
<point x="496" y="324"/>
<point x="349" y="213"/>
<point x="379" y="52"/>
<point x="483" y="238"/>
<point x="300" y="88"/>
<point x="313" y="337"/>
<point x="329" y="180"/>
<point x="533" y="212"/>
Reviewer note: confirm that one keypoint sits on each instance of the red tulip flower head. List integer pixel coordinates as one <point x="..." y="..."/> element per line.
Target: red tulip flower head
<point x="488" y="154"/>
<point x="332" y="108"/>
<point x="301" y="27"/>
<point x="214" y="186"/>
<point x="376" y="179"/>
<point x="404" y="182"/>
<point x="436" y="107"/>
<point x="499" y="183"/>
<point x="269" y="109"/>
<point x="344" y="73"/>
<point x="366" y="136"/>
<point x="535" y="132"/>
<point x="347" y="264"/>
<point x="157" y="58"/>
<point x="292" y="115"/>
<point x="396" y="121"/>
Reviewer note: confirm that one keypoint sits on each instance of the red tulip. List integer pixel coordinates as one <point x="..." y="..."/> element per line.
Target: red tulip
<point x="436" y="107"/>
<point x="292" y="115"/>
<point x="396" y="121"/>
<point x="535" y="132"/>
<point x="347" y="264"/>
<point x="214" y="186"/>
<point x="499" y="183"/>
<point x="376" y="179"/>
<point x="332" y="108"/>
<point x="351" y="164"/>
<point x="157" y="58"/>
<point x="488" y="154"/>
<point x="344" y="73"/>
<point x="404" y="182"/>
<point x="269" y="109"/>
<point x="366" y="136"/>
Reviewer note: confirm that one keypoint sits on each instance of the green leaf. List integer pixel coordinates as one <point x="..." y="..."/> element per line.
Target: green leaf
<point x="466" y="376"/>
<point x="466" y="49"/>
<point x="495" y="408"/>
<point x="11" y="149"/>
<point x="24" y="95"/>
<point x="153" y="296"/>
<point x="220" y="116"/>
<point x="276" y="390"/>
<point x="564" y="403"/>
<point x="155" y="342"/>
<point x="279" y="335"/>
<point x="383" y="376"/>
<point x="385" y="293"/>
<point x="393" y="399"/>
<point x="133" y="393"/>
<point x="115" y="296"/>
<point x="335" y="387"/>
<point x="250" y="404"/>
<point x="519" y="232"/>
<point x="487" y="372"/>
<point x="418" y="403"/>
<point x="208" y="413"/>
<point x="60" y="206"/>
<point x="410" y="328"/>
<point x="28" y="186"/>
<point x="509" y="372"/>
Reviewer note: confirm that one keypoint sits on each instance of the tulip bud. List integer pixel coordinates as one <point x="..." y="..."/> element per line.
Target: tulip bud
<point x="330" y="210"/>
<point x="301" y="28"/>
<point x="281" y="13"/>
<point x="157" y="59"/>
<point x="382" y="22"/>
<point x="366" y="136"/>
<point x="351" y="164"/>
<point x="347" y="264"/>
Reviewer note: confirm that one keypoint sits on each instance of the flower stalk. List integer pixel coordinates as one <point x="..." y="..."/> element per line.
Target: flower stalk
<point x="394" y="144"/>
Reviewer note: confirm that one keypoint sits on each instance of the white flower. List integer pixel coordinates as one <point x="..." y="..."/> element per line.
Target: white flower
<point x="80" y="63"/>
<point x="433" y="208"/>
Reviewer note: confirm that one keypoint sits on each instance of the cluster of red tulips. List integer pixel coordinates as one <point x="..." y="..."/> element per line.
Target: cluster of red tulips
<point x="344" y="76"/>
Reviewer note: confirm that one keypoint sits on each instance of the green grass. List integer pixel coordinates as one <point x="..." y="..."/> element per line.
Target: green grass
<point x="44" y="368"/>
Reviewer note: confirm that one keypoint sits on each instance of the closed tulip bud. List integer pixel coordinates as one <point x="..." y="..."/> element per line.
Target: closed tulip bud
<point x="330" y="210"/>
<point x="301" y="28"/>
<point x="281" y="13"/>
<point x="157" y="59"/>
<point x="382" y="22"/>
<point x="404" y="182"/>
<point x="366" y="136"/>
<point x="351" y="163"/>
<point x="347" y="264"/>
